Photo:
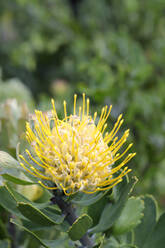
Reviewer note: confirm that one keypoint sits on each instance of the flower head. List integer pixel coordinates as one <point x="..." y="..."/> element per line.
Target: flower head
<point x="75" y="153"/>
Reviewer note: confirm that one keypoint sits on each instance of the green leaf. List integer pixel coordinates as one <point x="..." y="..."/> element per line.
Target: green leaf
<point x="10" y="199"/>
<point x="16" y="195"/>
<point x="54" y="214"/>
<point x="144" y="230"/>
<point x="130" y="216"/>
<point x="16" y="180"/>
<point x="20" y="198"/>
<point x="95" y="210"/>
<point x="86" y="199"/>
<point x="5" y="243"/>
<point x="114" y="243"/>
<point x="45" y="243"/>
<point x="80" y="227"/>
<point x="112" y="211"/>
<point x="157" y="237"/>
<point x="38" y="216"/>
<point x="8" y="202"/>
<point x="11" y="170"/>
<point x="7" y="161"/>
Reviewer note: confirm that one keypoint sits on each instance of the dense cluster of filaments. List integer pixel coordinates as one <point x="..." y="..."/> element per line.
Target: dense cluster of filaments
<point x="75" y="153"/>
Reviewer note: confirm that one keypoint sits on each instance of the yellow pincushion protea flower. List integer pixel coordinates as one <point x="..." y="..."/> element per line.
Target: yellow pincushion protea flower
<point x="74" y="153"/>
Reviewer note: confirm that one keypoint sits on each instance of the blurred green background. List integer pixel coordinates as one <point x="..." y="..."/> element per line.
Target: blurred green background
<point x="113" y="50"/>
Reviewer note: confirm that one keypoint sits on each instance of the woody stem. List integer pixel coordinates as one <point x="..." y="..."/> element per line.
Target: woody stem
<point x="71" y="216"/>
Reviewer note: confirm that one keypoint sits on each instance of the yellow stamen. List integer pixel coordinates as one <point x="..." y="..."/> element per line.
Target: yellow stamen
<point x="83" y="105"/>
<point x="65" y="112"/>
<point x="54" y="109"/>
<point x="87" y="106"/>
<point x="46" y="187"/>
<point x="75" y="98"/>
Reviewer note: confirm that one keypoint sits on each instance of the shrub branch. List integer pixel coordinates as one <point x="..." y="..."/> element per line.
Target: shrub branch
<point x="71" y="216"/>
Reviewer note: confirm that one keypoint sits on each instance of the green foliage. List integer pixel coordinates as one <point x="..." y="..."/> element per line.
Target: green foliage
<point x="157" y="238"/>
<point x="5" y="243"/>
<point x="7" y="162"/>
<point x="87" y="200"/>
<point x="39" y="217"/>
<point x="144" y="230"/>
<point x="11" y="171"/>
<point x="80" y="227"/>
<point x="44" y="242"/>
<point x="8" y="202"/>
<point x="16" y="180"/>
<point x="126" y="221"/>
<point x="11" y="89"/>
<point x="111" y="212"/>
